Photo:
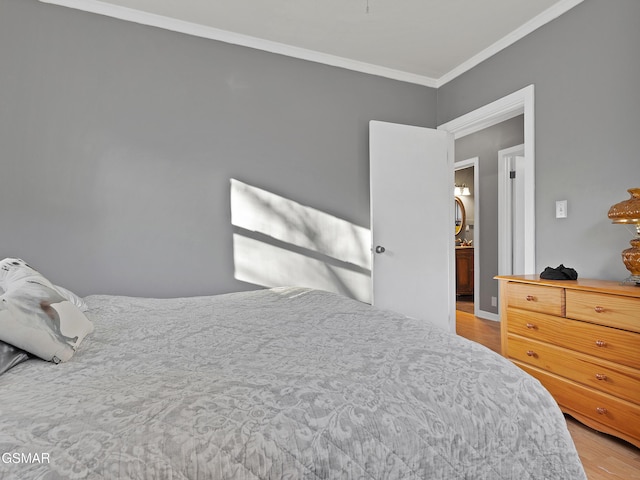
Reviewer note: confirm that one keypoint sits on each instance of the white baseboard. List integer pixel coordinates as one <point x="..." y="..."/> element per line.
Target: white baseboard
<point x="487" y="315"/>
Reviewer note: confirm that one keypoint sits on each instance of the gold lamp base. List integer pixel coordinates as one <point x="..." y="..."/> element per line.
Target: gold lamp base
<point x="627" y="212"/>
<point x="631" y="259"/>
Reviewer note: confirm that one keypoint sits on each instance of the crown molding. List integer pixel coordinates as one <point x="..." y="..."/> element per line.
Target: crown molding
<point x="538" y="21"/>
<point x="190" y="28"/>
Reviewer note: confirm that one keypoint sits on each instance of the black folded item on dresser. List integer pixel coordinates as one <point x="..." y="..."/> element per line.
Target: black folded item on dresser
<point x="559" y="273"/>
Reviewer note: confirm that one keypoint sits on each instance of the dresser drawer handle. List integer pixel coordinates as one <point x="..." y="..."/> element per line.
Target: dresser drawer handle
<point x="530" y="298"/>
<point x="531" y="353"/>
<point x="599" y="309"/>
<point x="601" y="376"/>
<point x="601" y="411"/>
<point x="601" y="343"/>
<point x="531" y="326"/>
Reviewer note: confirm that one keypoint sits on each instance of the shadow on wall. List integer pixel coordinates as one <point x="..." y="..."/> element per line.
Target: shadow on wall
<point x="279" y="242"/>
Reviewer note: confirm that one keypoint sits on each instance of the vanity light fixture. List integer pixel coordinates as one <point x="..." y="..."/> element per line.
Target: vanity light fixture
<point x="627" y="212"/>
<point x="461" y="190"/>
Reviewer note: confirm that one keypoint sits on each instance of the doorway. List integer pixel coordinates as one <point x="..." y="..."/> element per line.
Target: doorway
<point x="466" y="179"/>
<point x="515" y="212"/>
<point x="520" y="102"/>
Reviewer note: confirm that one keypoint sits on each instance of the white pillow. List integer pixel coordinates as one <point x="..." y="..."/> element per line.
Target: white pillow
<point x="73" y="298"/>
<point x="15" y="270"/>
<point x="35" y="317"/>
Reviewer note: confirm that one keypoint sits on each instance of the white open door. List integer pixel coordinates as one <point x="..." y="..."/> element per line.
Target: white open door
<point x="412" y="226"/>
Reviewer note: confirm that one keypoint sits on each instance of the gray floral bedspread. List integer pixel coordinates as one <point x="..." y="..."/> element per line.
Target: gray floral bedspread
<point x="285" y="383"/>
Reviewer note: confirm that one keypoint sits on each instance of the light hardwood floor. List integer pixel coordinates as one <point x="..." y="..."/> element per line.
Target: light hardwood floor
<point x="604" y="457"/>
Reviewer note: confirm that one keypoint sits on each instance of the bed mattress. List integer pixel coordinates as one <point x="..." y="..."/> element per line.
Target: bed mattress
<point x="286" y="383"/>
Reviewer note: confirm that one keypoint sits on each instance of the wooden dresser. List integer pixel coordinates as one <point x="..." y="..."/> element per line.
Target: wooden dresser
<point x="581" y="339"/>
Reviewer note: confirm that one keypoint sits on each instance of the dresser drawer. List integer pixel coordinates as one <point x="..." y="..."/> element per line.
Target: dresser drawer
<point x="607" y="377"/>
<point x="616" y="415"/>
<point x="613" y="310"/>
<point x="536" y="298"/>
<point x="603" y="342"/>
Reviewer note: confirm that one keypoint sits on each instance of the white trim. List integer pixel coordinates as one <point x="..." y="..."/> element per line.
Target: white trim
<point x="538" y="21"/>
<point x="489" y="115"/>
<point x="189" y="28"/>
<point x="504" y="210"/>
<point x="504" y="213"/>
<point x="474" y="162"/>
<point x="488" y="315"/>
<point x="198" y="30"/>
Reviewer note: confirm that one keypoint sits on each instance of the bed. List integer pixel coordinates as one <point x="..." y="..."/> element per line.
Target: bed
<point x="283" y="383"/>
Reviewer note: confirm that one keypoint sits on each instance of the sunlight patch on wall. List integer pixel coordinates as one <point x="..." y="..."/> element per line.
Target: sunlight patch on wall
<point x="271" y="266"/>
<point x="280" y="242"/>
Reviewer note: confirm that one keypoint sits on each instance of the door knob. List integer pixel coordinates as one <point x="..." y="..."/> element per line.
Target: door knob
<point x="380" y="249"/>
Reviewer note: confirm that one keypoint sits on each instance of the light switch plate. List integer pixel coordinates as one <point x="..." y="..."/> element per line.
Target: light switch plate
<point x="561" y="209"/>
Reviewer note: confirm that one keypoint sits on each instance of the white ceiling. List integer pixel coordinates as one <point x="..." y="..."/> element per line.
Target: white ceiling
<point x="422" y="41"/>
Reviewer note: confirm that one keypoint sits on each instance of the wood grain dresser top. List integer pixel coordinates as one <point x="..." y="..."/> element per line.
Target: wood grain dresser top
<point x="586" y="284"/>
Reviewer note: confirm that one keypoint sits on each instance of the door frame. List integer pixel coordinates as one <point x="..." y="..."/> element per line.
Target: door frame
<point x="517" y="103"/>
<point x="504" y="213"/>
<point x="462" y="164"/>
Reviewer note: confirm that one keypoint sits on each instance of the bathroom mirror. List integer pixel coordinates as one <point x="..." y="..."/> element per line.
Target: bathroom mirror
<point x="459" y="215"/>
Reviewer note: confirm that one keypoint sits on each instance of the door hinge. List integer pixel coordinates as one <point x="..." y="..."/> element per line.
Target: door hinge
<point x="512" y="174"/>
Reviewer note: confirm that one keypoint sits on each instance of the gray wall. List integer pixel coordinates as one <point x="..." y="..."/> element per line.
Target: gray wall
<point x="586" y="71"/>
<point x="118" y="142"/>
<point x="485" y="145"/>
